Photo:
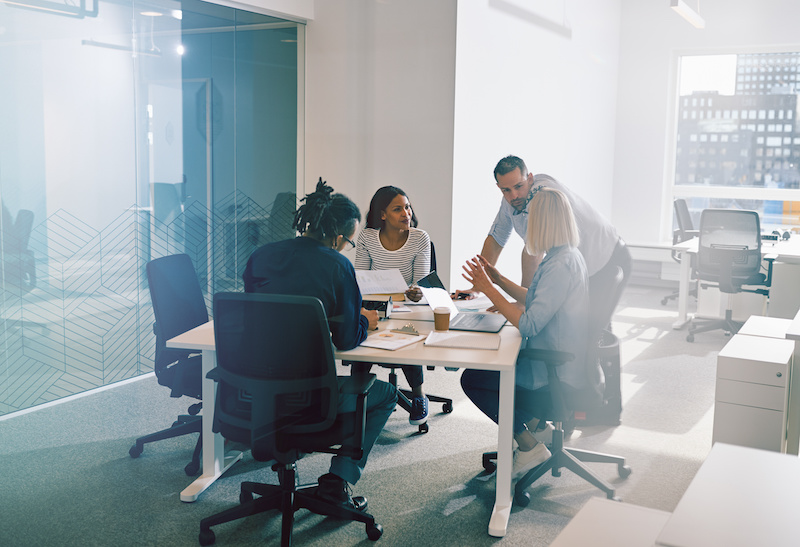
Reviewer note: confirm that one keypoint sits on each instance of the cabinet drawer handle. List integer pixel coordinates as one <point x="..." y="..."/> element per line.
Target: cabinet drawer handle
<point x="780" y="374"/>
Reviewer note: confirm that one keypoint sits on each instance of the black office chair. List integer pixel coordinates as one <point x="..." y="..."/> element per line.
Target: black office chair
<point x="404" y="395"/>
<point x="277" y="392"/>
<point x="18" y="265"/>
<point x="178" y="306"/>
<point x="564" y="401"/>
<point x="729" y="257"/>
<point x="684" y="232"/>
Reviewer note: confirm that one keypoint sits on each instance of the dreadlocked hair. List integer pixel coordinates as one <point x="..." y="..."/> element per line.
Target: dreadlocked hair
<point x="324" y="214"/>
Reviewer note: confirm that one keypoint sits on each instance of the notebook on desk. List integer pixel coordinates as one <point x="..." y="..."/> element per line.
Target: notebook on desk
<point x="437" y="296"/>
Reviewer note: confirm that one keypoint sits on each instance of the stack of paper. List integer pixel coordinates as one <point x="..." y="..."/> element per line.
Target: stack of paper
<point x="452" y="339"/>
<point x="387" y="339"/>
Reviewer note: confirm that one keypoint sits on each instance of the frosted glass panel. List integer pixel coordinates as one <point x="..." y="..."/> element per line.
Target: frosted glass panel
<point x="130" y="131"/>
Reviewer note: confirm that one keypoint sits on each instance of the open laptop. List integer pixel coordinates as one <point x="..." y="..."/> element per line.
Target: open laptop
<point x="436" y="295"/>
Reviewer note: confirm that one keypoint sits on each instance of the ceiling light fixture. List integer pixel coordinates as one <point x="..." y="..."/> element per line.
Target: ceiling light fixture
<point x="683" y="9"/>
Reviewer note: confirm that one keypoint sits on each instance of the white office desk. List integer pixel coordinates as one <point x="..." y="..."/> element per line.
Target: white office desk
<point x="215" y="462"/>
<point x="780" y="251"/>
<point x="740" y="497"/>
<point x="503" y="360"/>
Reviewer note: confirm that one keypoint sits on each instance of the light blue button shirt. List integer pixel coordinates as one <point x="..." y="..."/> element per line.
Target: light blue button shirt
<point x="556" y="318"/>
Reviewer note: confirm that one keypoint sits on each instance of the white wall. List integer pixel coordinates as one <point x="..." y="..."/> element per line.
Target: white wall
<point x="651" y="36"/>
<point x="428" y="96"/>
<point x="539" y="85"/>
<point x="379" y="104"/>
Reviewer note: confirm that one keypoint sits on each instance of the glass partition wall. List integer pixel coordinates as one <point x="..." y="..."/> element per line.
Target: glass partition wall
<point x="131" y="130"/>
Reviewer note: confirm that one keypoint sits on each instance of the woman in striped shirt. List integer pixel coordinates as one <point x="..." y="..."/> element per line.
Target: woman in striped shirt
<point x="391" y="240"/>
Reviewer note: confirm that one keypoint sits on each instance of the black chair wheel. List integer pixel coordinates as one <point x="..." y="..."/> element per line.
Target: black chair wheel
<point x="135" y="451"/>
<point x="447" y="408"/>
<point x="624" y="471"/>
<point x="192" y="468"/>
<point x="690" y="337"/>
<point x="245" y="497"/>
<point x="423" y="428"/>
<point x="206" y="537"/>
<point x="522" y="499"/>
<point x="374" y="531"/>
<point x="489" y="464"/>
<point x="664" y="301"/>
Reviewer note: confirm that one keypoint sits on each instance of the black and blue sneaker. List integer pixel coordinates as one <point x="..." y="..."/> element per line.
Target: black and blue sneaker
<point x="419" y="411"/>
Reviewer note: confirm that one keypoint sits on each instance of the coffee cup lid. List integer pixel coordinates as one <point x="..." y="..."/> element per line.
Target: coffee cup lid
<point x="441" y="309"/>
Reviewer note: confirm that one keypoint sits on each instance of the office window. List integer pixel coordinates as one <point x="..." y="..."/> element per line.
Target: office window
<point x="130" y="131"/>
<point x="754" y="101"/>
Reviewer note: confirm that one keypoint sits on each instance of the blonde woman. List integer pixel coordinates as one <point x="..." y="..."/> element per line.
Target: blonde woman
<point x="554" y="318"/>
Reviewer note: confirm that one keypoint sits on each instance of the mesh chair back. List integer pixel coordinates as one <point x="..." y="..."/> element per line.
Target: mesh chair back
<point x="730" y="248"/>
<point x="178" y="304"/>
<point x="683" y="217"/>
<point x="276" y="369"/>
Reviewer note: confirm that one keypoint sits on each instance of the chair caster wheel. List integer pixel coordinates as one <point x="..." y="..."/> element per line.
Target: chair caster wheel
<point x="206" y="537"/>
<point x="447" y="408"/>
<point x="522" y="499"/>
<point x="191" y="468"/>
<point x="135" y="451"/>
<point x="624" y="471"/>
<point x="374" y="531"/>
<point x="690" y="337"/>
<point x="664" y="301"/>
<point x="488" y="464"/>
<point x="423" y="428"/>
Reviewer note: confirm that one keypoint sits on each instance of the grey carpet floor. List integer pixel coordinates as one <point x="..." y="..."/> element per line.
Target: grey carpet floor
<point x="66" y="478"/>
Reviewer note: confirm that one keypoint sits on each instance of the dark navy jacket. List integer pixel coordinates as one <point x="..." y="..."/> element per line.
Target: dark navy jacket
<point x="304" y="266"/>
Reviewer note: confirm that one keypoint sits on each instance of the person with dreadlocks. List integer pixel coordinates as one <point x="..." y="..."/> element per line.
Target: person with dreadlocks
<point x="312" y="265"/>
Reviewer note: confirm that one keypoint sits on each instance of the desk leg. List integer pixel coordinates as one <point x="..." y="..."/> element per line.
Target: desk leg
<point x="215" y="462"/>
<point x="683" y="291"/>
<point x="503" y="492"/>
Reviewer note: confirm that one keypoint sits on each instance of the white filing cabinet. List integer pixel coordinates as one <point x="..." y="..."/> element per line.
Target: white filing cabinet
<point x="776" y="327"/>
<point x="752" y="394"/>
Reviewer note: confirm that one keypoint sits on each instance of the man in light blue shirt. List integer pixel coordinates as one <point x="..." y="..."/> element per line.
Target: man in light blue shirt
<point x="600" y="245"/>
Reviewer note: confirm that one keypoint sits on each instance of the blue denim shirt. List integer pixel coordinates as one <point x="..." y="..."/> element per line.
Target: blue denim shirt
<point x="556" y="317"/>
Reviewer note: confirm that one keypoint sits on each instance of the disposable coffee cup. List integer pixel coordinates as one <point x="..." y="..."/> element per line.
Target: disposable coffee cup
<point x="441" y="318"/>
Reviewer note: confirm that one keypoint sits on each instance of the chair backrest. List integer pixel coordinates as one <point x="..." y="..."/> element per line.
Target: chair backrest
<point x="685" y="230"/>
<point x="178" y="303"/>
<point x="683" y="217"/>
<point x="281" y="217"/>
<point x="276" y="370"/>
<point x="729" y="250"/>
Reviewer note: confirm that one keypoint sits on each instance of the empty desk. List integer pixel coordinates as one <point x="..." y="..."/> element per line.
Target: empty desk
<point x="740" y="497"/>
<point x="605" y="523"/>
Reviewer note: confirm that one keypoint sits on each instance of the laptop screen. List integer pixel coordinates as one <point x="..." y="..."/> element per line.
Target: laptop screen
<point x="435" y="293"/>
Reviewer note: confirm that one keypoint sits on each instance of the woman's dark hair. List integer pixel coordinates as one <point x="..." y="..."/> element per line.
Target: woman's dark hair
<point x="380" y="201"/>
<point x="325" y="214"/>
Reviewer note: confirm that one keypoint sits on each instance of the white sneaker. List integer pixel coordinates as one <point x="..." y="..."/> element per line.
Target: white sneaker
<point x="525" y="461"/>
<point x="545" y="435"/>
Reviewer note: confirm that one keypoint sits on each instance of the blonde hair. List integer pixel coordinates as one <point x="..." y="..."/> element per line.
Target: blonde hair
<point x="551" y="222"/>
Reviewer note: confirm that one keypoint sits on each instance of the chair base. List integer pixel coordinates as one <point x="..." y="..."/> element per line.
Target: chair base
<point x="727" y="324"/>
<point x="566" y="458"/>
<point x="676" y="294"/>
<point x="288" y="498"/>
<point x="184" y="425"/>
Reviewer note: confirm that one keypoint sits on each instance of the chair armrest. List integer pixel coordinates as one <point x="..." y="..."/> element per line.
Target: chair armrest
<point x="358" y="384"/>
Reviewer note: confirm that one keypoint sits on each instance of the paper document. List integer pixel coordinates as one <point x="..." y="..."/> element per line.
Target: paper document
<point x="452" y="339"/>
<point x="380" y="281"/>
<point x="387" y="339"/>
